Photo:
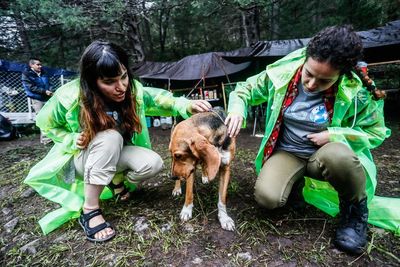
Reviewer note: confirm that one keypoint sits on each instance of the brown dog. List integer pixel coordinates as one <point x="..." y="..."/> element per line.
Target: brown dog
<point x="202" y="139"/>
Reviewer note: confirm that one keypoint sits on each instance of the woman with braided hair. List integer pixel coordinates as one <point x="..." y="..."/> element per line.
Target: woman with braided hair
<point x="321" y="122"/>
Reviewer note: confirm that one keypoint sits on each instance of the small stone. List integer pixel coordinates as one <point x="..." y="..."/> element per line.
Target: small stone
<point x="197" y="260"/>
<point x="28" y="193"/>
<point x="165" y="227"/>
<point x="30" y="247"/>
<point x="6" y="211"/>
<point x="141" y="224"/>
<point x="189" y="228"/>
<point x="9" y="227"/>
<point x="110" y="260"/>
<point x="244" y="256"/>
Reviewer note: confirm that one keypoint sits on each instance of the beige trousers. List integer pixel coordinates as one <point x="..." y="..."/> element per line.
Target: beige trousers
<point x="334" y="162"/>
<point x="37" y="105"/>
<point x="106" y="156"/>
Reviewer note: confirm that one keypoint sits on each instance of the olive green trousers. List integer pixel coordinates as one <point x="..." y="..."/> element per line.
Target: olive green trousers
<point x="334" y="162"/>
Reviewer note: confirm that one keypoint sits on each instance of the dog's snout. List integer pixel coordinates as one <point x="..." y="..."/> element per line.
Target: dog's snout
<point x="174" y="177"/>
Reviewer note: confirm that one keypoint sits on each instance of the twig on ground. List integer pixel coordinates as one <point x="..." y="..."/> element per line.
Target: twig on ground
<point x="323" y="230"/>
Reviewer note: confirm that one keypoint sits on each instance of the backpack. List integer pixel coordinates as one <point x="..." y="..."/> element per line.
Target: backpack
<point x="7" y="130"/>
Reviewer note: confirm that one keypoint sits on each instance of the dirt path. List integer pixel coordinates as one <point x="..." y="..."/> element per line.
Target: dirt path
<point x="149" y="232"/>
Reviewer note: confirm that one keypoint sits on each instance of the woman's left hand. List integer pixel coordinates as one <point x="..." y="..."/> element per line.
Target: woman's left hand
<point x="198" y="106"/>
<point x="319" y="139"/>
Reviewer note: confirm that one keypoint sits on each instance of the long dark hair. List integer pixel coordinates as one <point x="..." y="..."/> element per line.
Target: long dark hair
<point x="99" y="60"/>
<point x="340" y="46"/>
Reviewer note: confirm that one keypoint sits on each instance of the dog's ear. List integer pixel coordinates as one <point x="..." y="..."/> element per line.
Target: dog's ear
<point x="207" y="153"/>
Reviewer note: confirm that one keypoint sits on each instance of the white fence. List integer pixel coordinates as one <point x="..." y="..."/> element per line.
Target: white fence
<point x="14" y="104"/>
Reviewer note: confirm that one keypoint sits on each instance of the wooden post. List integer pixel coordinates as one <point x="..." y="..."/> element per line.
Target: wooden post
<point x="223" y="95"/>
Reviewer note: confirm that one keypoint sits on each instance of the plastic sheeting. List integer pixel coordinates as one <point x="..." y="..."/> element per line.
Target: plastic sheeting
<point x="20" y="67"/>
<point x="208" y="65"/>
<point x="383" y="41"/>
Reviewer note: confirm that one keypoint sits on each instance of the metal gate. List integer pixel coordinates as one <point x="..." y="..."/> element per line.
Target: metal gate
<point x="14" y="104"/>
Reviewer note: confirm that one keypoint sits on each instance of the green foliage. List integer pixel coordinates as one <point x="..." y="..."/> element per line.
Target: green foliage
<point x="59" y="30"/>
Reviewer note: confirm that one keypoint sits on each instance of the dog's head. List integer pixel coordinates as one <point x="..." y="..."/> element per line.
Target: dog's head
<point x="188" y="147"/>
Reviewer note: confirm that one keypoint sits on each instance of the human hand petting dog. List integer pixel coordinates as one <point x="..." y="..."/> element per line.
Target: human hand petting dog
<point x="234" y="123"/>
<point x="198" y="106"/>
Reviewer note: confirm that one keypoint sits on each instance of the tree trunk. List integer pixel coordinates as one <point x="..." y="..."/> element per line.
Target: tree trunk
<point x="163" y="22"/>
<point x="274" y="20"/>
<point x="134" y="38"/>
<point x="147" y="34"/>
<point x="251" y="25"/>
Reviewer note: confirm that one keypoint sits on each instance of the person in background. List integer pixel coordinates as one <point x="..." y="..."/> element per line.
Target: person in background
<point x="321" y="122"/>
<point x="98" y="125"/>
<point x="36" y="84"/>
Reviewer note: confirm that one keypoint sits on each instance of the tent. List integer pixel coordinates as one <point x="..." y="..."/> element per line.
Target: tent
<point x="189" y="70"/>
<point x="380" y="44"/>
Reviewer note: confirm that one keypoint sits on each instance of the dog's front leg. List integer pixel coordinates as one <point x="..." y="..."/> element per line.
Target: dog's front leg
<point x="186" y="212"/>
<point x="177" y="189"/>
<point x="226" y="222"/>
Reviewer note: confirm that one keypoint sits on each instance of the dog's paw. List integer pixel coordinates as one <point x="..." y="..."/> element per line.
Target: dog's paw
<point x="226" y="222"/>
<point x="186" y="212"/>
<point x="204" y="179"/>
<point x="177" y="192"/>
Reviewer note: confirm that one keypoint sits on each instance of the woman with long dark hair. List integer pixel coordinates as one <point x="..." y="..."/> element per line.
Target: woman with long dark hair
<point x="98" y="126"/>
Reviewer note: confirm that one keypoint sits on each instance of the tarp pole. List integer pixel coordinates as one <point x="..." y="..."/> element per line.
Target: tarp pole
<point x="383" y="63"/>
<point x="223" y="95"/>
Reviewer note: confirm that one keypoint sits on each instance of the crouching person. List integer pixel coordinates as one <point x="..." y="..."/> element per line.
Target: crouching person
<point x="97" y="123"/>
<point x="321" y="123"/>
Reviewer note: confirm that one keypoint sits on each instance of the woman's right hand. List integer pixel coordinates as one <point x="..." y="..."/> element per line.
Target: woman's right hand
<point x="81" y="141"/>
<point x="234" y="123"/>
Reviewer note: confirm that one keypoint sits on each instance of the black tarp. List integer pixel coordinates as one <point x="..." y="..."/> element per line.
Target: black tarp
<point x="190" y="68"/>
<point x="380" y="44"/>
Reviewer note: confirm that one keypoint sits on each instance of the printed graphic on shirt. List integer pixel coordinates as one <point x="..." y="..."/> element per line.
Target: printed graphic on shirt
<point x="319" y="115"/>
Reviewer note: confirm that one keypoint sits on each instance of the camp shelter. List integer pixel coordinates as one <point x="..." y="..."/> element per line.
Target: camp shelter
<point x="189" y="70"/>
<point x="380" y="44"/>
<point x="199" y="76"/>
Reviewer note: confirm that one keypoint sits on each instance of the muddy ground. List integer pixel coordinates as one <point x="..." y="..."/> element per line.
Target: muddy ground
<point x="149" y="231"/>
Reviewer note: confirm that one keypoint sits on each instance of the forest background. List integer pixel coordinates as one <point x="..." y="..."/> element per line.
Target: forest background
<point x="57" y="31"/>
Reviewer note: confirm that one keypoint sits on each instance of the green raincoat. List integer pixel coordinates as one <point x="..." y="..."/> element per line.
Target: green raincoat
<point x="357" y="121"/>
<point x="58" y="119"/>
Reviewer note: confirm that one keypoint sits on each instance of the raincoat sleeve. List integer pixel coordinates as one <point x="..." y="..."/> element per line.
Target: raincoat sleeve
<point x="364" y="125"/>
<point x="159" y="102"/>
<point x="253" y="91"/>
<point x="53" y="123"/>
